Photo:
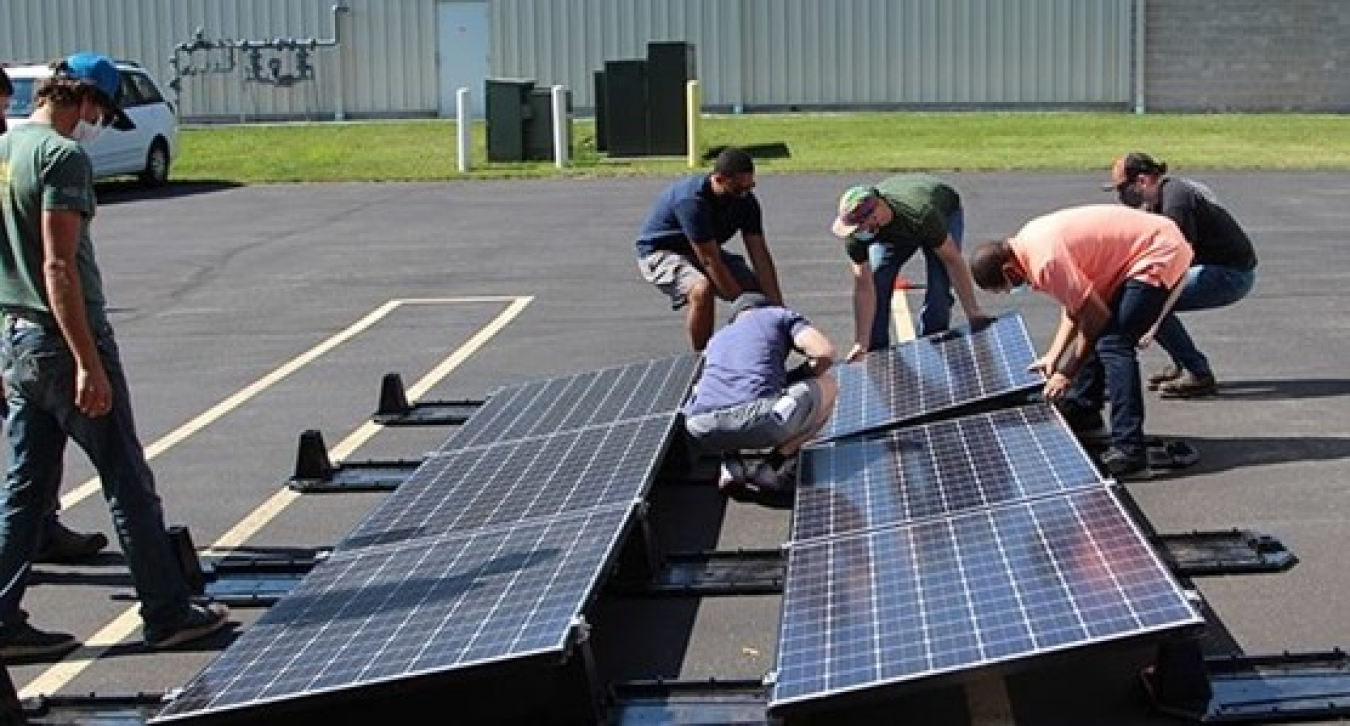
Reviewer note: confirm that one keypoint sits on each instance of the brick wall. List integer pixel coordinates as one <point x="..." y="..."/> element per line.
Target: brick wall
<point x="1247" y="55"/>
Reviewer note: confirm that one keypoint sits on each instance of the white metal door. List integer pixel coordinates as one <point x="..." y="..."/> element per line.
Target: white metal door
<point x="462" y="33"/>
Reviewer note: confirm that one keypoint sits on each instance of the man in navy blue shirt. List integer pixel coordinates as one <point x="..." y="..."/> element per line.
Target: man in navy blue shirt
<point x="680" y="247"/>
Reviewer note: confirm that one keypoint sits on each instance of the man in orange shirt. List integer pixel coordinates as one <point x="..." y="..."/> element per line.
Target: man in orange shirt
<point x="1114" y="270"/>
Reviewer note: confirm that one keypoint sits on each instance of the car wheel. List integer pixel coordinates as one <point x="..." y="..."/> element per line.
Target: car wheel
<point x="156" y="171"/>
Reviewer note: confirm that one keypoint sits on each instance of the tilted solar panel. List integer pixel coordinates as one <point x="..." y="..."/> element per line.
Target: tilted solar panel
<point x="365" y="619"/>
<point x="519" y="479"/>
<point x="586" y="399"/>
<point x="937" y="469"/>
<point x="919" y="378"/>
<point x="868" y="612"/>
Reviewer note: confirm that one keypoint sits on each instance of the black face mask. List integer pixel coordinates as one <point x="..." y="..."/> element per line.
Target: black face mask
<point x="1131" y="197"/>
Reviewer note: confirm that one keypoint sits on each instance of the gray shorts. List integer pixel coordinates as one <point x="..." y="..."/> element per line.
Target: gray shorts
<point x="760" y="424"/>
<point x="675" y="274"/>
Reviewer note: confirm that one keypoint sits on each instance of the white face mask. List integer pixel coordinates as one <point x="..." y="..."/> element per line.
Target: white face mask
<point x="863" y="235"/>
<point x="85" y="132"/>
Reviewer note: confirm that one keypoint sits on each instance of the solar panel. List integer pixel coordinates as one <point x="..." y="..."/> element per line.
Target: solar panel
<point x="933" y="374"/>
<point x="586" y="399"/>
<point x="937" y="469"/>
<point x="366" y="618"/>
<point x="520" y="479"/>
<point x="893" y="606"/>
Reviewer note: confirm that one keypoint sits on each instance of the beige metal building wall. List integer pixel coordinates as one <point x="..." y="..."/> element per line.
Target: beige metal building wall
<point x="378" y="61"/>
<point x="937" y="52"/>
<point x="567" y="41"/>
<point x="836" y="53"/>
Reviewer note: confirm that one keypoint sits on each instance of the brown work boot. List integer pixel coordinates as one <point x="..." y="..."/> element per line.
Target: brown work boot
<point x="1189" y="385"/>
<point x="1170" y="373"/>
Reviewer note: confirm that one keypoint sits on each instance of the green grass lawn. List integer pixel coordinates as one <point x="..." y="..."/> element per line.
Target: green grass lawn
<point x="426" y="150"/>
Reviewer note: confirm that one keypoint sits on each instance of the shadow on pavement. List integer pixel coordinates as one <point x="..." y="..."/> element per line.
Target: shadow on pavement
<point x="1225" y="454"/>
<point x="1282" y="390"/>
<point x="114" y="192"/>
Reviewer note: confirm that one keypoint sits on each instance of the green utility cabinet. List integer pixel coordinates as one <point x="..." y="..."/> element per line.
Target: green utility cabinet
<point x="508" y="112"/>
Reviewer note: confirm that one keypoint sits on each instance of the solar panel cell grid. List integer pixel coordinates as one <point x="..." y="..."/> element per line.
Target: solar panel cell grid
<point x="937" y="469"/>
<point x="519" y="479"/>
<point x="380" y="614"/>
<point x="587" y="399"/>
<point x="932" y="374"/>
<point x="909" y="602"/>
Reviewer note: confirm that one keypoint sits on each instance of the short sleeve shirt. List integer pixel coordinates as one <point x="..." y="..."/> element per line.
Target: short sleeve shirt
<point x="746" y="360"/>
<point x="42" y="170"/>
<point x="1072" y="253"/>
<point x="688" y="211"/>
<point x="1214" y="234"/>
<point x="921" y="204"/>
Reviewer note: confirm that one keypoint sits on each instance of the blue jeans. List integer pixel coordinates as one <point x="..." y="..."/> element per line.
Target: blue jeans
<point x="1113" y="368"/>
<point x="39" y="373"/>
<point x="1205" y="287"/>
<point x="886" y="261"/>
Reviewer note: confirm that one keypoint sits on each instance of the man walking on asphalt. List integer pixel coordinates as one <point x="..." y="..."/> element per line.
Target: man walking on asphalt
<point x="62" y="369"/>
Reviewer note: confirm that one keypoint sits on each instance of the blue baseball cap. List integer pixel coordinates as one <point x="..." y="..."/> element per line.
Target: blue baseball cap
<point x="101" y="73"/>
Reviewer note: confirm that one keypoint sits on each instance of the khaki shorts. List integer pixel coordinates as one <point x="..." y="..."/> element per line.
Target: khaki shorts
<point x="675" y="274"/>
<point x="760" y="424"/>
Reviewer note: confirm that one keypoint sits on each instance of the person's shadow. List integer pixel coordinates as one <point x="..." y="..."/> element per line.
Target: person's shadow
<point x="1223" y="454"/>
<point x="1285" y="389"/>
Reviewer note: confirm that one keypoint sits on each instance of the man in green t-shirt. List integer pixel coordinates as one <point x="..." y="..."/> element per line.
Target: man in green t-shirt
<point x="59" y="543"/>
<point x="882" y="226"/>
<point x="63" y="374"/>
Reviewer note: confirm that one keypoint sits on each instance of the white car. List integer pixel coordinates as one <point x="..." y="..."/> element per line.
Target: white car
<point x="146" y="151"/>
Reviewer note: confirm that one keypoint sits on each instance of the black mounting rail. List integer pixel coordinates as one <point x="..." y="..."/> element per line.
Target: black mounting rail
<point x="741" y="702"/>
<point x="316" y="472"/>
<point x="1225" y="552"/>
<point x="712" y="573"/>
<point x="256" y="581"/>
<point x="1286" y="687"/>
<point x="395" y="410"/>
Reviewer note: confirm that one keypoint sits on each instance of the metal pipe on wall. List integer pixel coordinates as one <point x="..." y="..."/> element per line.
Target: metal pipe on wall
<point x="339" y="95"/>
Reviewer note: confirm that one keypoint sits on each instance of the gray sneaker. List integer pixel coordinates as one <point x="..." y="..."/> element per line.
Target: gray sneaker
<point x="22" y="643"/>
<point x="201" y="621"/>
<point x="1170" y="373"/>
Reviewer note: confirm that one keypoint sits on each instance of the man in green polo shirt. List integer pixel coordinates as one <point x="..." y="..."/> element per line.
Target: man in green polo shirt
<point x="882" y="226"/>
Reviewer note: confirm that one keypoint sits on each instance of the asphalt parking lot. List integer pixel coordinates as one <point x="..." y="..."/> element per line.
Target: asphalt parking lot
<point x="247" y="315"/>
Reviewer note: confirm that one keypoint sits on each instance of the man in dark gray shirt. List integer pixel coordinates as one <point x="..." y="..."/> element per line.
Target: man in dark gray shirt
<point x="1222" y="273"/>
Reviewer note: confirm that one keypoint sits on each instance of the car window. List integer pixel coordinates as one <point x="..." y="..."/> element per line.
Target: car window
<point x="146" y="91"/>
<point x="127" y="95"/>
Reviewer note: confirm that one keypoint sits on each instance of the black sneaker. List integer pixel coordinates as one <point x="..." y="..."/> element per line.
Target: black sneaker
<point x="201" y="620"/>
<point x="1124" y="467"/>
<point x="23" y="643"/>
<point x="62" y="545"/>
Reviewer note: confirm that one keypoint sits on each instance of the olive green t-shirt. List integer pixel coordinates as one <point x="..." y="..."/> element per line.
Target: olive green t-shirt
<point x="42" y="170"/>
<point x="921" y="203"/>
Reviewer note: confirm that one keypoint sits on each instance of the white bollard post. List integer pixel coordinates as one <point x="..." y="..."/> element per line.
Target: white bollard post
<point x="464" y="125"/>
<point x="693" y="109"/>
<point x="560" y="135"/>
